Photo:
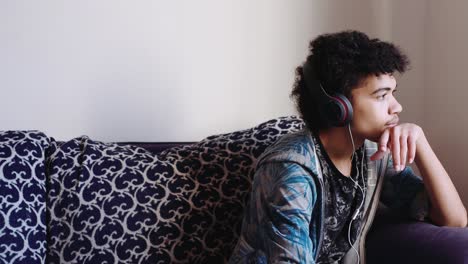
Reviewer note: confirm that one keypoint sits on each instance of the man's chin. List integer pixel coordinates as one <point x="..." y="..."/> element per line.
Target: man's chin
<point x="374" y="138"/>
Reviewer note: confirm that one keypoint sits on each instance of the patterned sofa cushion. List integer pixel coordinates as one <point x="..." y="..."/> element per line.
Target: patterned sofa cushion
<point x="22" y="196"/>
<point x="122" y="204"/>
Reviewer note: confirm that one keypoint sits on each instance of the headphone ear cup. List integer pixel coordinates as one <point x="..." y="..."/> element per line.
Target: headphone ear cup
<point x="337" y="110"/>
<point x="349" y="110"/>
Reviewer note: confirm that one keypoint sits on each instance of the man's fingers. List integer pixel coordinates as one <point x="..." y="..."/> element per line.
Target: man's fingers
<point x="384" y="140"/>
<point x="401" y="141"/>
<point x="382" y="146"/>
<point x="403" y="151"/>
<point x="411" y="149"/>
<point x="377" y="155"/>
<point x="396" y="148"/>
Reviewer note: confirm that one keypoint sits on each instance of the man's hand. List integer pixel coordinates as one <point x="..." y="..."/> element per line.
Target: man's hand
<point x="404" y="141"/>
<point x="401" y="141"/>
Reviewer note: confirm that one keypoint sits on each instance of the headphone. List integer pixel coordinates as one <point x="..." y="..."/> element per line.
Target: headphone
<point x="334" y="109"/>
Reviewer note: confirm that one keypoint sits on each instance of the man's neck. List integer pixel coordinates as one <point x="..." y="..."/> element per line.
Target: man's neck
<point x="337" y="143"/>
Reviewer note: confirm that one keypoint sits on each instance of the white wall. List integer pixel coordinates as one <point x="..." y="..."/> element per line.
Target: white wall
<point x="148" y="70"/>
<point x="159" y="70"/>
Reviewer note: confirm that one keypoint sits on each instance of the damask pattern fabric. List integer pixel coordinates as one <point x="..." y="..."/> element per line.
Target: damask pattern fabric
<point x="22" y="197"/>
<point x="121" y="204"/>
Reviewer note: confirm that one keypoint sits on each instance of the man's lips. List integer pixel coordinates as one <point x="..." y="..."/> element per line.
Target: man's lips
<point x="394" y="122"/>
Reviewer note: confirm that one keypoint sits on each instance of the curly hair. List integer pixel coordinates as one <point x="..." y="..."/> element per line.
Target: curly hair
<point x="342" y="61"/>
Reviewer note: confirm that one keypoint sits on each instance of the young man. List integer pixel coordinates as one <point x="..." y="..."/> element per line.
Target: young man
<point x="315" y="192"/>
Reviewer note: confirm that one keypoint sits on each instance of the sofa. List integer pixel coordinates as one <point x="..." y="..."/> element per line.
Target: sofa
<point x="86" y="201"/>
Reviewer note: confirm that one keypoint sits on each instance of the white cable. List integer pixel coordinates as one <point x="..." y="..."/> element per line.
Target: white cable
<point x="356" y="184"/>
<point x="360" y="188"/>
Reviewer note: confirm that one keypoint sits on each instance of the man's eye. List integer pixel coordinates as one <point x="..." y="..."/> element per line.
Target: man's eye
<point x="381" y="97"/>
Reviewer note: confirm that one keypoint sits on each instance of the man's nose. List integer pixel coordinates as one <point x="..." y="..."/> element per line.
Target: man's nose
<point x="396" y="107"/>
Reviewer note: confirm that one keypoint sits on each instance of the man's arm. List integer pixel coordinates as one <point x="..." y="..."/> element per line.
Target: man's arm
<point x="407" y="142"/>
<point x="446" y="206"/>
<point x="285" y="196"/>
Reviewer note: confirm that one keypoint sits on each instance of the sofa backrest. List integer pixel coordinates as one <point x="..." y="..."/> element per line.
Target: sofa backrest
<point x="155" y="147"/>
<point x="114" y="203"/>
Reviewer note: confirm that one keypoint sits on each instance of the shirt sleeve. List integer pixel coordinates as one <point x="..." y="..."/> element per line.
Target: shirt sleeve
<point x="284" y="197"/>
<point x="404" y="191"/>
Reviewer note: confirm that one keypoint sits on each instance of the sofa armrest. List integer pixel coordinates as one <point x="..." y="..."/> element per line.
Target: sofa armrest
<point x="23" y="196"/>
<point x="393" y="239"/>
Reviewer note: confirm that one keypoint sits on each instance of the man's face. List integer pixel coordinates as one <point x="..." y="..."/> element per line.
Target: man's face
<point x="374" y="106"/>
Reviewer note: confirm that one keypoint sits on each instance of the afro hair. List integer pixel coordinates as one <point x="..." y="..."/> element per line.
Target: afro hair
<point x="342" y="61"/>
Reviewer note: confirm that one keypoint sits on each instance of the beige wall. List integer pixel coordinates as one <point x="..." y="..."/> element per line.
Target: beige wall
<point x="445" y="87"/>
<point x="434" y="35"/>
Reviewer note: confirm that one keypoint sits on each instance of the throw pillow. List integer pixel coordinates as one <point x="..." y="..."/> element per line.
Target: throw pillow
<point x="122" y="204"/>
